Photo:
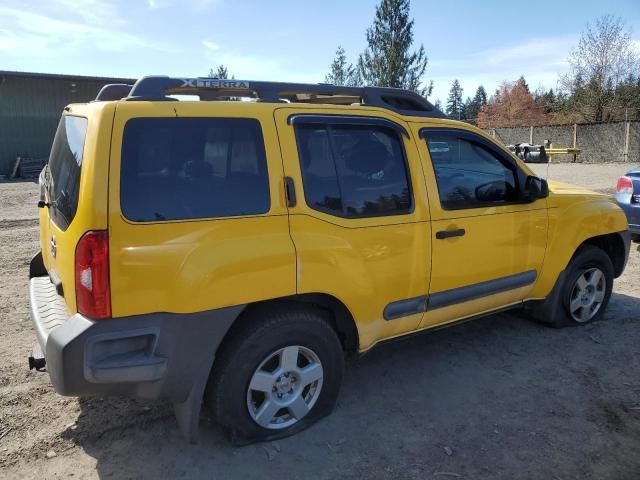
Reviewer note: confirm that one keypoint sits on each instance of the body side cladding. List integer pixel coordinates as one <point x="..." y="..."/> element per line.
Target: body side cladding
<point x="411" y="306"/>
<point x="482" y="289"/>
<point x="404" y="308"/>
<point x="546" y="310"/>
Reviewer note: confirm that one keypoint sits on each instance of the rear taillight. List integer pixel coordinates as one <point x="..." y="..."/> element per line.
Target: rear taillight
<point x="625" y="185"/>
<point x="93" y="297"/>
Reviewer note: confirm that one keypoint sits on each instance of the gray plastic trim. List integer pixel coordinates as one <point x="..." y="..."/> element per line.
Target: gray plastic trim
<point x="482" y="289"/>
<point x="404" y="308"/>
<point x="159" y="355"/>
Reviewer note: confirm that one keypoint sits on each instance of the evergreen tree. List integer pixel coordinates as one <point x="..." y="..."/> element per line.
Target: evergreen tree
<point x="438" y="105"/>
<point x="341" y="72"/>
<point x="388" y="60"/>
<point x="455" y="106"/>
<point x="480" y="97"/>
<point x="475" y="105"/>
<point x="221" y="72"/>
<point x="548" y="101"/>
<point x="522" y="82"/>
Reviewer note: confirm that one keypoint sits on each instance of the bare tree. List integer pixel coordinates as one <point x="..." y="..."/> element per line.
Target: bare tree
<point x="604" y="59"/>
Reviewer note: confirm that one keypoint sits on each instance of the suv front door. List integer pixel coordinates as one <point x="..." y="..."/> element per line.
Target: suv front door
<point x="358" y="214"/>
<point x="488" y="243"/>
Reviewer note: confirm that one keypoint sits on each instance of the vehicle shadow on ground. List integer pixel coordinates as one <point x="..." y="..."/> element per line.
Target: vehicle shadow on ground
<point x="486" y="399"/>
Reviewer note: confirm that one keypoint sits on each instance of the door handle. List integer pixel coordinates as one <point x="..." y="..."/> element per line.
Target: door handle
<point x="290" y="190"/>
<point x="442" y="234"/>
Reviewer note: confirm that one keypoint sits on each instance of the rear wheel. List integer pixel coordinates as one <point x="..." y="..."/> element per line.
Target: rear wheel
<point x="587" y="288"/>
<point x="277" y="375"/>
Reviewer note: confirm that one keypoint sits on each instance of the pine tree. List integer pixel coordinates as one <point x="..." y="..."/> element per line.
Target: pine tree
<point x="438" y="105"/>
<point x="388" y="60"/>
<point x="479" y="100"/>
<point x="523" y="83"/>
<point x="466" y="109"/>
<point x="341" y="72"/>
<point x="455" y="106"/>
<point x="221" y="72"/>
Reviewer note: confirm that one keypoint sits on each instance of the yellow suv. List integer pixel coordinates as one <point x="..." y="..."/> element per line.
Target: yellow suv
<point x="232" y="253"/>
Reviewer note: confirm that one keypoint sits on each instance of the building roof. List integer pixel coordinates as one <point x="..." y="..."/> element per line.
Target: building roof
<point x="58" y="76"/>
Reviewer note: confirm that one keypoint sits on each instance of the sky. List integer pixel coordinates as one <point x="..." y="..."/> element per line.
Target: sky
<point x="477" y="42"/>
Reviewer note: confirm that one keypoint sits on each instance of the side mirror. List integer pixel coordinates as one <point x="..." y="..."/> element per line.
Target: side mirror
<point x="535" y="188"/>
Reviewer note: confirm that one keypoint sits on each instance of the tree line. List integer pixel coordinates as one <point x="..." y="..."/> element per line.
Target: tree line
<point x="601" y="85"/>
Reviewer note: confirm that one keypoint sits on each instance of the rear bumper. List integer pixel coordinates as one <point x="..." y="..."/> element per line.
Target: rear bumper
<point x="631" y="210"/>
<point x="158" y="355"/>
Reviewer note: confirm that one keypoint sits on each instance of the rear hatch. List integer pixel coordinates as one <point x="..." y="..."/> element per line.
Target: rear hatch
<point x="74" y="191"/>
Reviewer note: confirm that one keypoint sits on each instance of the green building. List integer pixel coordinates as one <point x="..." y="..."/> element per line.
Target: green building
<point x="30" y="108"/>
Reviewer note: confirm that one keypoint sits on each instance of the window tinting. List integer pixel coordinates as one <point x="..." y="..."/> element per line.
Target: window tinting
<point x="353" y="171"/>
<point x="187" y="168"/>
<point x="469" y="174"/>
<point x="65" y="163"/>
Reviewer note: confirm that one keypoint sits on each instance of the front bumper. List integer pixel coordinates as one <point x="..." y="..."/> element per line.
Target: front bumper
<point x="158" y="355"/>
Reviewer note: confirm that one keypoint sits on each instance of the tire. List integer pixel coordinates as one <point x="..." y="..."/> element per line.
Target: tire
<point x="587" y="288"/>
<point x="292" y="356"/>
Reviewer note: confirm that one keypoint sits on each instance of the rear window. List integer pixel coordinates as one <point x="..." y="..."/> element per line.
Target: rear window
<point x="65" y="163"/>
<point x="190" y="168"/>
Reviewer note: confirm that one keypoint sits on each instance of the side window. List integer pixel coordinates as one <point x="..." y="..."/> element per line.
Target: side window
<point x="189" y="168"/>
<point x="354" y="171"/>
<point x="468" y="173"/>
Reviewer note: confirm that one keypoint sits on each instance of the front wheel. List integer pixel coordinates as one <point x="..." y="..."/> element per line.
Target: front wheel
<point x="277" y="374"/>
<point x="587" y="288"/>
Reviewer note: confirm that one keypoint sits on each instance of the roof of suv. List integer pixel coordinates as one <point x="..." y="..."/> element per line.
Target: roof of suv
<point x="158" y="88"/>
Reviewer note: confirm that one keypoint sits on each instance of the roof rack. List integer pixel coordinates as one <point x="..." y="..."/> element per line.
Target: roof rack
<point x="113" y="91"/>
<point x="157" y="88"/>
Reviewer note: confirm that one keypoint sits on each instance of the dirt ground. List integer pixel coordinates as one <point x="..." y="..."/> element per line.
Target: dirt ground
<point x="498" y="398"/>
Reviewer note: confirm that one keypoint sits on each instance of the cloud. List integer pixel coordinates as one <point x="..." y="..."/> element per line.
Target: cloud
<point x="194" y="5"/>
<point x="158" y="4"/>
<point x="210" y="45"/>
<point x="93" y="12"/>
<point x="27" y="34"/>
<point x="539" y="59"/>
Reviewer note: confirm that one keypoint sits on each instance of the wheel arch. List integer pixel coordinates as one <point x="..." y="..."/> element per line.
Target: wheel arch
<point x="342" y="320"/>
<point x="615" y="245"/>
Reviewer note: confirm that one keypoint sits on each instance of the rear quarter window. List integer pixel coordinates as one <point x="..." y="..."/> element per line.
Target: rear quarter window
<point x="193" y="168"/>
<point x="65" y="165"/>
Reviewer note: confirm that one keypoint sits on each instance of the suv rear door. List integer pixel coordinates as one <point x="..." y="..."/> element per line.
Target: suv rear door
<point x="359" y="219"/>
<point x="197" y="213"/>
<point x="75" y="188"/>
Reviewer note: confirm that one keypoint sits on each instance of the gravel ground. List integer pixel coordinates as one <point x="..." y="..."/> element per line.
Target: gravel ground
<point x="499" y="398"/>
